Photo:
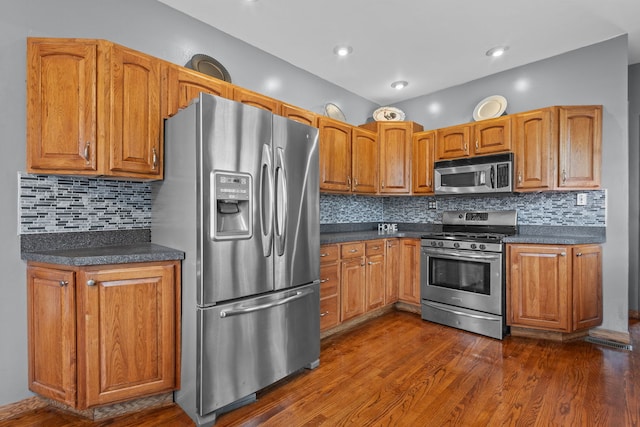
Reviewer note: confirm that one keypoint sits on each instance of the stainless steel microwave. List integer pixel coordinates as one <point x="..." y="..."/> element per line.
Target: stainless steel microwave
<point x="475" y="175"/>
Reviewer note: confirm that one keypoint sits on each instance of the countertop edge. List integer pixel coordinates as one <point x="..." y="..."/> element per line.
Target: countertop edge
<point x="123" y="254"/>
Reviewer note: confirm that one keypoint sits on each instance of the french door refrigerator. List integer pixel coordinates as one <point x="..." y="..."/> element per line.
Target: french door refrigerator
<point x="241" y="197"/>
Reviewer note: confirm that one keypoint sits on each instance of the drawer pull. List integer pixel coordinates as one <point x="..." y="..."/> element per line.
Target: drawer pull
<point x="353" y="251"/>
<point x="376" y="247"/>
<point x="579" y="254"/>
<point x="324" y="314"/>
<point x="324" y="255"/>
<point x="324" y="280"/>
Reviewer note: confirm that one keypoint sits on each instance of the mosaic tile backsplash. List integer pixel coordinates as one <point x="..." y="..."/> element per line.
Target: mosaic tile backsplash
<point x="533" y="208"/>
<point x="55" y="204"/>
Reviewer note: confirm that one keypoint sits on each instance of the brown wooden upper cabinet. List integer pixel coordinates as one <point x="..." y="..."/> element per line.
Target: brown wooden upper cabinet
<point x="558" y="148"/>
<point x="185" y="85"/>
<point x="364" y="161"/>
<point x="422" y="162"/>
<point x="256" y="99"/>
<point x="394" y="142"/>
<point x="335" y="155"/>
<point x="474" y="139"/>
<point x="299" y="115"/>
<point x="93" y="108"/>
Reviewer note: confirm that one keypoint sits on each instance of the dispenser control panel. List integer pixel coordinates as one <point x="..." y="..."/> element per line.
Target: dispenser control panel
<point x="232" y="186"/>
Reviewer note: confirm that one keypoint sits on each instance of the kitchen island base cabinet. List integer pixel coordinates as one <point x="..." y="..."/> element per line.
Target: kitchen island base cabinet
<point x="555" y="288"/>
<point x="103" y="334"/>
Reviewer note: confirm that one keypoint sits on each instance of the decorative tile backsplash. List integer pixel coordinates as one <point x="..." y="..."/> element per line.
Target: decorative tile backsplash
<point x="548" y="208"/>
<point x="56" y="204"/>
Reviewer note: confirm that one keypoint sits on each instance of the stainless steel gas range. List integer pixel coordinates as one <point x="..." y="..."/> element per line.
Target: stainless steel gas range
<point x="462" y="271"/>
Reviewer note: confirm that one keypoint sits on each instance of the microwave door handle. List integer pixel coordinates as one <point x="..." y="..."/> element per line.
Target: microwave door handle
<point x="492" y="176"/>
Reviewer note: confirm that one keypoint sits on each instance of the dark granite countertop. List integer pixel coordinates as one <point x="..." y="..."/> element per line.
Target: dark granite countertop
<point x="95" y="248"/>
<point x="552" y="235"/>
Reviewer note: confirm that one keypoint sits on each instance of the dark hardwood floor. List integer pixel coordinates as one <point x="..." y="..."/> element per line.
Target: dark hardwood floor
<point x="398" y="370"/>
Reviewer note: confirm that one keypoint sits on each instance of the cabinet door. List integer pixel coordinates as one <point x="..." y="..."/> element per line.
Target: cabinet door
<point x="453" y="142"/>
<point x="62" y="106"/>
<point x="580" y="146"/>
<point x="136" y="119"/>
<point x="299" y="115"/>
<point x="538" y="287"/>
<point x="410" y="271"/>
<point x="375" y="281"/>
<point x="364" y="161"/>
<point x="587" y="286"/>
<point x="492" y="136"/>
<point x="127" y="330"/>
<point x="185" y="85"/>
<point x="422" y="162"/>
<point x="534" y="148"/>
<point x="392" y="270"/>
<point x="51" y="314"/>
<point x="395" y="157"/>
<point x="352" y="276"/>
<point x="256" y="100"/>
<point x="335" y="155"/>
<point x="329" y="295"/>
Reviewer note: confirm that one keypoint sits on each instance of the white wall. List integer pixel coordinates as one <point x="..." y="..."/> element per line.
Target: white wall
<point x="593" y="75"/>
<point x="150" y="27"/>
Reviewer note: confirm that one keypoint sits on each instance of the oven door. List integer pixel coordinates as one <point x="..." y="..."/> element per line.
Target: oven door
<point x="467" y="279"/>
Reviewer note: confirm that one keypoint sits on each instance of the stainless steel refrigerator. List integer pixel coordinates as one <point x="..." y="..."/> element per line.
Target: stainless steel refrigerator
<point x="240" y="197"/>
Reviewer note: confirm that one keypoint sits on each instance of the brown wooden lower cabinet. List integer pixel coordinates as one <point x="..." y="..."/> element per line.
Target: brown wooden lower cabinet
<point x="103" y="334"/>
<point x="554" y="287"/>
<point x="359" y="277"/>
<point x="409" y="286"/>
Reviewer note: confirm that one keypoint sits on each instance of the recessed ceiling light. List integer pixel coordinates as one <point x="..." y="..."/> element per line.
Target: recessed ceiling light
<point x="497" y="51"/>
<point x="342" y="50"/>
<point x="400" y="84"/>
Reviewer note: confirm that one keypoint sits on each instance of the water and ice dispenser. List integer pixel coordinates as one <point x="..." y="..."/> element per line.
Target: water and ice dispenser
<point x="233" y="205"/>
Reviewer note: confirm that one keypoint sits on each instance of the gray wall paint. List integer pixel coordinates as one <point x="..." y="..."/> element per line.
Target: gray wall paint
<point x="634" y="185"/>
<point x="150" y="27"/>
<point x="597" y="74"/>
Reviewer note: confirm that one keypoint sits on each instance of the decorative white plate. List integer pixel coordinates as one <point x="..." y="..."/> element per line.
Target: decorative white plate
<point x="334" y="112"/>
<point x="388" y="114"/>
<point x="490" y="107"/>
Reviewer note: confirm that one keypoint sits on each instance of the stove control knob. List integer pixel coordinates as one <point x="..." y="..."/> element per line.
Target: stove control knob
<point x="483" y="246"/>
<point x="440" y="244"/>
<point x="456" y="245"/>
<point x="433" y="243"/>
<point x="473" y="246"/>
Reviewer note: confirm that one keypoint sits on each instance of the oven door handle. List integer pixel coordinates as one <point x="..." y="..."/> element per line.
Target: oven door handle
<point x="459" y="313"/>
<point x="460" y="255"/>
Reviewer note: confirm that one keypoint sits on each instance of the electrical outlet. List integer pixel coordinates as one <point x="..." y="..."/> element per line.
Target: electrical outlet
<point x="432" y="204"/>
<point x="581" y="199"/>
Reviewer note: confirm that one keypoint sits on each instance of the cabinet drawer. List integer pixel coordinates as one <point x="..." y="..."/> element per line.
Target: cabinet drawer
<point x="329" y="312"/>
<point x="329" y="279"/>
<point x="375" y="247"/>
<point x="352" y="250"/>
<point x="329" y="253"/>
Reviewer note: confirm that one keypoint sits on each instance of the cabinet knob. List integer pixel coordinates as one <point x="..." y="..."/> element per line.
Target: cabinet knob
<point x="324" y="255"/>
<point x="324" y="280"/>
<point x="563" y="254"/>
<point x="63" y="283"/>
<point x="579" y="254"/>
<point x="91" y="282"/>
<point x="324" y="314"/>
<point x="370" y="263"/>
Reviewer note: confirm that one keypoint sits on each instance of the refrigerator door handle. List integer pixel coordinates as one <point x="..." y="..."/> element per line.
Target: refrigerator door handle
<point x="266" y="206"/>
<point x="240" y="311"/>
<point x="281" y="202"/>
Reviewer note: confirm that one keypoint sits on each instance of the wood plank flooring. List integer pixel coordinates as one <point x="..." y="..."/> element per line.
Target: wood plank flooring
<point x="398" y="370"/>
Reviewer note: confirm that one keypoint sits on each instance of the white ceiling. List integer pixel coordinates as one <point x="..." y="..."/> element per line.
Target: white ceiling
<point x="431" y="44"/>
